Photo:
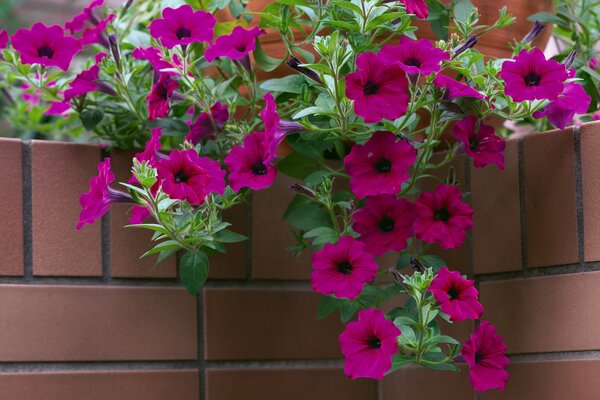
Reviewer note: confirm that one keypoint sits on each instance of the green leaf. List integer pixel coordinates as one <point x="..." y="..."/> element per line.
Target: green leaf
<point x="348" y="310"/>
<point x="547" y="17"/>
<point x="288" y="84"/>
<point x="298" y="166"/>
<point x="306" y="111"/>
<point x="432" y="261"/>
<point x="153" y="227"/>
<point x="166" y="245"/>
<point x="322" y="235"/>
<point x="193" y="269"/>
<point x="302" y="213"/>
<point x="399" y="361"/>
<point x="265" y="61"/>
<point x="91" y="118"/>
<point x="462" y="10"/>
<point x="227" y="236"/>
<point x="327" y="305"/>
<point x="163" y="255"/>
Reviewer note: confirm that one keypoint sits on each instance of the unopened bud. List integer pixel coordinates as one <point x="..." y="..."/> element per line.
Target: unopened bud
<point x="567" y="62"/>
<point x="294" y="64"/>
<point x="470" y="42"/>
<point x="536" y="29"/>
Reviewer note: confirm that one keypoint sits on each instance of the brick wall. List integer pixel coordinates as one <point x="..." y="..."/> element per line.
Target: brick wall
<point x="82" y="317"/>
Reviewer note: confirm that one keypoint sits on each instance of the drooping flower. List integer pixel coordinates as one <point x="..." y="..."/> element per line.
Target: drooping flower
<point x="208" y="125"/>
<point x="456" y="295"/>
<point x="86" y="15"/>
<point x="251" y="165"/>
<point x="442" y="217"/>
<point x="274" y="126"/>
<point x="183" y="26"/>
<point x="96" y="202"/>
<point x="531" y="77"/>
<point x="3" y="39"/>
<point x="417" y="7"/>
<point x="480" y="142"/>
<point x="342" y="269"/>
<point x="560" y="112"/>
<point x="138" y="215"/>
<point x="379" y="166"/>
<point x="455" y="89"/>
<point x="96" y="34"/>
<point x="379" y="89"/>
<point x="185" y="176"/>
<point x="485" y="354"/>
<point x="384" y="223"/>
<point x="415" y="56"/>
<point x="157" y="59"/>
<point x="88" y="81"/>
<point x="47" y="46"/>
<point x="369" y="345"/>
<point x="238" y="44"/>
<point x="158" y="99"/>
<point x="151" y="152"/>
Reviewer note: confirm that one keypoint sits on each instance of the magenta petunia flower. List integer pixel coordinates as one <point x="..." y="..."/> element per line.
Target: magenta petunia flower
<point x="379" y="166"/>
<point x="417" y="7"/>
<point x="156" y="58"/>
<point x="58" y="108"/>
<point x="455" y="89"/>
<point x="415" y="56"/>
<point x="251" y="165"/>
<point x="3" y="39"/>
<point x="95" y="34"/>
<point x="185" y="176"/>
<point x="342" y="269"/>
<point x="456" y="295"/>
<point x="560" y="112"/>
<point x="86" y="15"/>
<point x="96" y="202"/>
<point x="379" y="89"/>
<point x="158" y="99"/>
<point x="530" y="76"/>
<point x="47" y="46"/>
<point x="151" y="152"/>
<point x="482" y="145"/>
<point x="208" y="125"/>
<point x="442" y="217"/>
<point x="485" y="354"/>
<point x="384" y="223"/>
<point x="138" y="215"/>
<point x="592" y="62"/>
<point x="369" y="345"/>
<point x="88" y="81"/>
<point x="274" y="125"/>
<point x="239" y="43"/>
<point x="183" y="26"/>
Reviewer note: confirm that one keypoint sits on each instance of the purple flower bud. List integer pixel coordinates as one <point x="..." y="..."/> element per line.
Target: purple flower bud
<point x="536" y="29"/>
<point x="396" y="275"/>
<point x="127" y="5"/>
<point x="471" y="41"/>
<point x="294" y="64"/>
<point x="114" y="47"/>
<point x="567" y="62"/>
<point x="296" y="187"/>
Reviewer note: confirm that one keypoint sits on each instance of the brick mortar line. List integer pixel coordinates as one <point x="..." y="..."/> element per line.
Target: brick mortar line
<point x="27" y="211"/>
<point x="542" y="271"/>
<point x="275" y="364"/>
<point x="522" y="216"/>
<point x="579" y="194"/>
<point x="75" y="366"/>
<point x="556" y="356"/>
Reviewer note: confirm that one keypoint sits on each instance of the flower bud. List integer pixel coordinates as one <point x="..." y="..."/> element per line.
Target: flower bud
<point x="567" y="62"/>
<point x="114" y="47"/>
<point x="536" y="29"/>
<point x="294" y="64"/>
<point x="471" y="41"/>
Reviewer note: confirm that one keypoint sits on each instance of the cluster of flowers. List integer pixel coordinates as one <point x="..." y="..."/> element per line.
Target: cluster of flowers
<point x="178" y="187"/>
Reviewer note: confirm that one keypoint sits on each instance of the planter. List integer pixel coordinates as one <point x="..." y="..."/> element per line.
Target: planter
<point x="541" y="216"/>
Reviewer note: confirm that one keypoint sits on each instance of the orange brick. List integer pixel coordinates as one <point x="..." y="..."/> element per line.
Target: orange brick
<point x="418" y="383"/>
<point x="590" y="165"/>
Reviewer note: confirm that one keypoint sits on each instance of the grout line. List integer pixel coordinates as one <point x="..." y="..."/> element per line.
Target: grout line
<point x="105" y="247"/>
<point x="249" y="233"/>
<point x="201" y="349"/>
<point x="27" y="211"/>
<point x="522" y="213"/>
<point x="276" y="364"/>
<point x="579" y="194"/>
<point x="12" y="367"/>
<point x="556" y="356"/>
<point x="542" y="271"/>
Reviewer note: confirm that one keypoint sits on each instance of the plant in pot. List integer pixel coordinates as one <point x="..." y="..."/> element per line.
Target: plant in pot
<point x="184" y="86"/>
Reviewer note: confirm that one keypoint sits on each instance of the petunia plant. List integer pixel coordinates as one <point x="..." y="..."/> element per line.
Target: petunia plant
<point x="366" y="104"/>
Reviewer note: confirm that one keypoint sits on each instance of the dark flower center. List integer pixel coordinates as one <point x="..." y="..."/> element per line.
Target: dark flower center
<point x="478" y="357"/>
<point x="374" y="342"/>
<point x="45" y="51"/>
<point x="383" y="165"/>
<point x="370" y="88"/>
<point x="453" y="293"/>
<point x="344" y="267"/>
<point x="180" y="177"/>
<point x="259" y="168"/>
<point x="473" y="143"/>
<point x="241" y="47"/>
<point x="183" y="32"/>
<point x="413" y="62"/>
<point x="386" y="224"/>
<point x="441" y="215"/>
<point x="532" y="79"/>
